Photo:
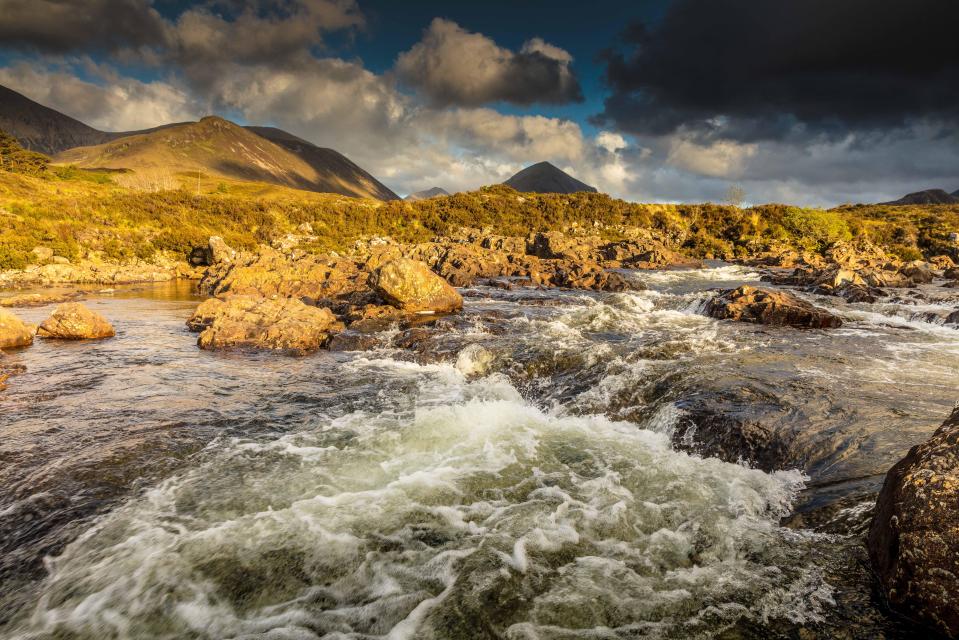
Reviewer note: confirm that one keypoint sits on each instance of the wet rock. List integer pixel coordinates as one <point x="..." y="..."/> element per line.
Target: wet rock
<point x="918" y="272"/>
<point x="411" y="286"/>
<point x="859" y="293"/>
<point x="749" y="304"/>
<point x="13" y="331"/>
<point x="283" y="324"/>
<point x="74" y="321"/>
<point x="951" y="273"/>
<point x="953" y="318"/>
<point x="7" y="370"/>
<point x="354" y="341"/>
<point x="37" y="299"/>
<point x="914" y="537"/>
<point x="474" y="360"/>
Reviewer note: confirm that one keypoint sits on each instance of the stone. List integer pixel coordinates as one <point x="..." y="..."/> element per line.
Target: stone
<point x="74" y="321"/>
<point x="254" y="322"/>
<point x="42" y="254"/>
<point x="761" y="306"/>
<point x="914" y="538"/>
<point x="220" y="251"/>
<point x="13" y="331"/>
<point x="411" y="286"/>
<point x="37" y="299"/>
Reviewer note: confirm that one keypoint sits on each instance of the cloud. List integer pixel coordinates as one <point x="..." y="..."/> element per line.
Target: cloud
<point x="116" y="104"/>
<point x="451" y="66"/>
<point x="62" y="26"/>
<point x="753" y="70"/>
<point x="718" y="159"/>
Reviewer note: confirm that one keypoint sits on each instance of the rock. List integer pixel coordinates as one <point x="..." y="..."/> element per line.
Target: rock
<point x="474" y="360"/>
<point x="411" y="286"/>
<point x="951" y="273"/>
<point x="60" y="260"/>
<point x="13" y="331"/>
<point x="37" y="299"/>
<point x="253" y="322"/>
<point x="952" y="318"/>
<point x="859" y="293"/>
<point x="268" y="273"/>
<point x="220" y="251"/>
<point x="73" y="321"/>
<point x="918" y="272"/>
<point x="8" y="369"/>
<point x="914" y="537"/>
<point x="942" y="262"/>
<point x="749" y="304"/>
<point x="42" y="254"/>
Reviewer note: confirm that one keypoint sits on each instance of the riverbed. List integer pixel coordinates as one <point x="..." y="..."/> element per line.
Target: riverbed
<point x="544" y="465"/>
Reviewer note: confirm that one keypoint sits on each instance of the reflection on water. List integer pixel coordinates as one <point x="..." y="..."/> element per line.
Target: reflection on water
<point x="535" y="493"/>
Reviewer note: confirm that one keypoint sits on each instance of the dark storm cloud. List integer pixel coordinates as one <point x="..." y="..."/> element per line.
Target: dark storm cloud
<point x="64" y="26"/>
<point x="452" y="66"/>
<point x="754" y="69"/>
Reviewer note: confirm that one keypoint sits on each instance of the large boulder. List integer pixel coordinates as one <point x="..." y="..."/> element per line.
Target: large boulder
<point x="253" y="322"/>
<point x="761" y="306"/>
<point x="73" y="321"/>
<point x="411" y="286"/>
<point x="914" y="538"/>
<point x="13" y="331"/>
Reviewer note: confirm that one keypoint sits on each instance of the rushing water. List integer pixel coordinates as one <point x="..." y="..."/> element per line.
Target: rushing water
<point x="519" y="471"/>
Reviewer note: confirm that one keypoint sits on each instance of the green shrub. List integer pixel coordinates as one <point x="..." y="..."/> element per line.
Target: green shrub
<point x="815" y="229"/>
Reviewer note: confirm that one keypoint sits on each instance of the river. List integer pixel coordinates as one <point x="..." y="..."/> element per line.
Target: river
<point x="541" y="466"/>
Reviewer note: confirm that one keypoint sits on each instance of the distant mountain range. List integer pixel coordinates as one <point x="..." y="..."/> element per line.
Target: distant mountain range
<point x="929" y="196"/>
<point x="426" y="194"/>
<point x="543" y="177"/>
<point x="213" y="146"/>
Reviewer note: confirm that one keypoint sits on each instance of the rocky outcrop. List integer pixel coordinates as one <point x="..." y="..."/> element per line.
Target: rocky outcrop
<point x="95" y="270"/>
<point x="253" y="322"/>
<point x="13" y="331"/>
<point x="914" y="539"/>
<point x="268" y="273"/>
<point x="73" y="321"/>
<point x="761" y="306"/>
<point x="411" y="286"/>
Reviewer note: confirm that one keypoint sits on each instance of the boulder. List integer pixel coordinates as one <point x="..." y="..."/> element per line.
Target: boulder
<point x="253" y="322"/>
<point x="761" y="306"/>
<point x="411" y="286"/>
<point x="42" y="254"/>
<point x="914" y="538"/>
<point x="269" y="273"/>
<point x="13" y="331"/>
<point x="220" y="251"/>
<point x="73" y="321"/>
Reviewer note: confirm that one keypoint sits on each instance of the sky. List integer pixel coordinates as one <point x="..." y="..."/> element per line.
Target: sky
<point x="810" y="102"/>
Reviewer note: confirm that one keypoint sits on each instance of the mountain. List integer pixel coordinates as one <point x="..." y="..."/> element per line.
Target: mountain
<point x="426" y="194"/>
<point x="42" y="129"/>
<point x="929" y="196"/>
<point x="218" y="147"/>
<point x="956" y="193"/>
<point x="335" y="173"/>
<point x="545" y="178"/>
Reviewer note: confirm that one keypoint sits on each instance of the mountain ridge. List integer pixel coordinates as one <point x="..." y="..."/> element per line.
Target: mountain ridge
<point x="426" y="194"/>
<point x="544" y="177"/>
<point x="927" y="196"/>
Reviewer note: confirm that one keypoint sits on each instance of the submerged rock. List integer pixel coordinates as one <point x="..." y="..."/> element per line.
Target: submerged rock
<point x="914" y="539"/>
<point x="411" y="286"/>
<point x="73" y="321"/>
<point x="37" y="299"/>
<point x="283" y="324"/>
<point x="749" y="304"/>
<point x="13" y="331"/>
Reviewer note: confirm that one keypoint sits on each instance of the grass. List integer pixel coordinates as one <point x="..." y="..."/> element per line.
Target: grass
<point x="75" y="211"/>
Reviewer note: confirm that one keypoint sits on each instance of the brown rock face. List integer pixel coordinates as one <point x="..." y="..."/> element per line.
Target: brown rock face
<point x="914" y="539"/>
<point x="253" y="322"/>
<point x="73" y="321"/>
<point x="13" y="331"/>
<point x="748" y="304"/>
<point x="411" y="286"/>
<point x="37" y="299"/>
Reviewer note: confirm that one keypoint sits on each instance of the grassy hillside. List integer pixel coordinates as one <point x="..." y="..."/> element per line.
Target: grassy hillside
<point x="74" y="210"/>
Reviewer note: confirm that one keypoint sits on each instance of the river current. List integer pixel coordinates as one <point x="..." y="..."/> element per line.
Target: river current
<point x="530" y="469"/>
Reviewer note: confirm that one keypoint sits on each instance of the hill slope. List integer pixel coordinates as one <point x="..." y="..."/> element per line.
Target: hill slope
<point x="929" y="196"/>
<point x="217" y="147"/>
<point x="543" y="177"/>
<point x="335" y="173"/>
<point x="426" y="194"/>
<point x="42" y="129"/>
